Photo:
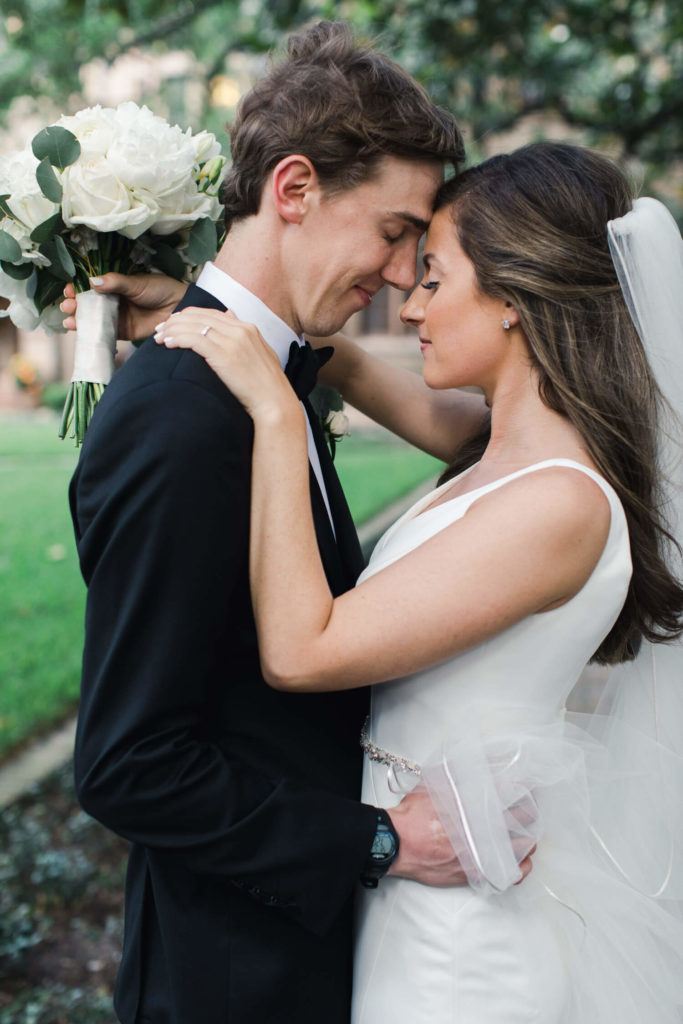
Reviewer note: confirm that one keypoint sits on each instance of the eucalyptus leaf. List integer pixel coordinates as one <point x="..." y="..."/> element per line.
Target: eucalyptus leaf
<point x="202" y="243"/>
<point x="59" y="146"/>
<point x="18" y="271"/>
<point x="4" y="208"/>
<point x="47" y="180"/>
<point x="168" y="261"/>
<point x="61" y="264"/>
<point x="52" y="226"/>
<point x="48" y="289"/>
<point x="10" y="250"/>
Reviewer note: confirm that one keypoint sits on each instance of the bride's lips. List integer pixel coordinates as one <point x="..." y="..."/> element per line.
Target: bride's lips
<point x="424" y="342"/>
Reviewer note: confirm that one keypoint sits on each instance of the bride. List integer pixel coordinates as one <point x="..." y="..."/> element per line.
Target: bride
<point x="544" y="546"/>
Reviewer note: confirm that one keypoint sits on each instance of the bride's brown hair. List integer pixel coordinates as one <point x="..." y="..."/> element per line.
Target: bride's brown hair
<point x="534" y="225"/>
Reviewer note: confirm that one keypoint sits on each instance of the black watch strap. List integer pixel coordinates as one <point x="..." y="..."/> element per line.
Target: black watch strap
<point x="383" y="852"/>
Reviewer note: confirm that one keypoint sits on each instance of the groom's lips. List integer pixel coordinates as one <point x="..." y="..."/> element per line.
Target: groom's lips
<point x="365" y="295"/>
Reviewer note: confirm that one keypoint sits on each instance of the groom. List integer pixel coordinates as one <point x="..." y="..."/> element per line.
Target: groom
<point x="240" y="802"/>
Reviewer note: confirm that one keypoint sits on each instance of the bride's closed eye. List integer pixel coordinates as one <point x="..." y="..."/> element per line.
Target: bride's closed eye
<point x="429" y="285"/>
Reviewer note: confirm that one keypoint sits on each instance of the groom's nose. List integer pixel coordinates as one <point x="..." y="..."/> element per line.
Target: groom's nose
<point x="400" y="270"/>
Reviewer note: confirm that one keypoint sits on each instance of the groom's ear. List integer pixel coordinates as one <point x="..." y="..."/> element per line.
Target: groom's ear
<point x="294" y="183"/>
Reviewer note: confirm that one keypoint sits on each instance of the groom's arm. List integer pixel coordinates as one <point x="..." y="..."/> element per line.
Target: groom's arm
<point x="161" y="506"/>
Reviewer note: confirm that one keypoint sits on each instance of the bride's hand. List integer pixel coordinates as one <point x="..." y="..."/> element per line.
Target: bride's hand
<point x="237" y="353"/>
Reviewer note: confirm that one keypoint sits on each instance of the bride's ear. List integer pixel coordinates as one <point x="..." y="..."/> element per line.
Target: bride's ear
<point x="510" y="316"/>
<point x="293" y="184"/>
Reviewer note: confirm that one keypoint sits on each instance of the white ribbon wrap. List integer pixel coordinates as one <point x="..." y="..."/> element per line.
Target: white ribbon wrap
<point x="97" y="321"/>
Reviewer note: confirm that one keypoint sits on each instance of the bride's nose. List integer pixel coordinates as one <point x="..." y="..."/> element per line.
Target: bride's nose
<point x="412" y="310"/>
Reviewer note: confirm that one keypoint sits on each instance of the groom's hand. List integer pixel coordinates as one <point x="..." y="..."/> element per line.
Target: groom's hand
<point x="425" y="852"/>
<point x="146" y="299"/>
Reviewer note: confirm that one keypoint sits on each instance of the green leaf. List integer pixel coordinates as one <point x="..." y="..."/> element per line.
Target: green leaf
<point x="18" y="271"/>
<point x="4" y="208"/>
<point x="202" y="244"/>
<point x="325" y="400"/>
<point x="61" y="264"/>
<point x="59" y="146"/>
<point x="168" y="260"/>
<point x="10" y="250"/>
<point x="47" y="180"/>
<point x="52" y="226"/>
<point x="48" y="289"/>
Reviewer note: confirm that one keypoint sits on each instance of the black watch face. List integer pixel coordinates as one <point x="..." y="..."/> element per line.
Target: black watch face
<point x="383" y="846"/>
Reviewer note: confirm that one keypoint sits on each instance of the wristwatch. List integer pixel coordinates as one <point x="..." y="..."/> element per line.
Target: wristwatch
<point x="383" y="852"/>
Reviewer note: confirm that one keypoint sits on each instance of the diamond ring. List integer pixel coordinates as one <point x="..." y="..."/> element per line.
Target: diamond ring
<point x="205" y="330"/>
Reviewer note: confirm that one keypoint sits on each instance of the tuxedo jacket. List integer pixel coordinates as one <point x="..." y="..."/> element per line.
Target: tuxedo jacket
<point x="240" y="802"/>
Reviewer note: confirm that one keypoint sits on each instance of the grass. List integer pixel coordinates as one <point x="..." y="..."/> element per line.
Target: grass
<point x="375" y="472"/>
<point x="42" y="595"/>
<point x="41" y="591"/>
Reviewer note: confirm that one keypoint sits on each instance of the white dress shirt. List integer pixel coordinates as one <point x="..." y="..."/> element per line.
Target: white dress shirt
<point x="246" y="306"/>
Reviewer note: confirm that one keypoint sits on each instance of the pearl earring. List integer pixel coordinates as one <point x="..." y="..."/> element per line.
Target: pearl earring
<point x="506" y="325"/>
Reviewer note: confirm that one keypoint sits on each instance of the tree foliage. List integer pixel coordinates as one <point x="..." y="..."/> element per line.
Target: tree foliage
<point x="610" y="69"/>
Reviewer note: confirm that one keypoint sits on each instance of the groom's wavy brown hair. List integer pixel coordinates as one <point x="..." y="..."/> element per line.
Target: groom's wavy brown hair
<point x="534" y="225"/>
<point x="341" y="104"/>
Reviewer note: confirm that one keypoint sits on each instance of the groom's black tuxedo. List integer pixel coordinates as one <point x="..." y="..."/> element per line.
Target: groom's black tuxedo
<point x="240" y="802"/>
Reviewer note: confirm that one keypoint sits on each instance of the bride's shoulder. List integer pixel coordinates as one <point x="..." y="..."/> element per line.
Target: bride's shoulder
<point x="563" y="498"/>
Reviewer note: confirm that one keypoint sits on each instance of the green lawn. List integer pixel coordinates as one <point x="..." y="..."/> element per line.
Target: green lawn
<point x="375" y="472"/>
<point x="41" y="592"/>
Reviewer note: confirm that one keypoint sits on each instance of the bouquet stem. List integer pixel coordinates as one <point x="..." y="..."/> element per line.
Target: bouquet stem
<point x="97" y="317"/>
<point x="79" y="406"/>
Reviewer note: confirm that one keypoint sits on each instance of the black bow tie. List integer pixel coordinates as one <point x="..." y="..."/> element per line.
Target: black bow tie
<point x="303" y="365"/>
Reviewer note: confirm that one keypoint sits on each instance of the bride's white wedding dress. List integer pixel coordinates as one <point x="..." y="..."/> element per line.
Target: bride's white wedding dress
<point x="579" y="941"/>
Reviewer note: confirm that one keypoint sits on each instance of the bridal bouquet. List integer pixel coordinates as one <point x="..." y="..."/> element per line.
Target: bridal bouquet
<point x="105" y="189"/>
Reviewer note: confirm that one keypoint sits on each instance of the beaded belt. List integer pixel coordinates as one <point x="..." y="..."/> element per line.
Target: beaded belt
<point x="382" y="756"/>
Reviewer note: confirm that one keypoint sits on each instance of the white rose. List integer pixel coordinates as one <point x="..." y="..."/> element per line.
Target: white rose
<point x="94" y="196"/>
<point x="183" y="207"/>
<point x="338" y="423"/>
<point x="94" y="128"/>
<point x="27" y="203"/>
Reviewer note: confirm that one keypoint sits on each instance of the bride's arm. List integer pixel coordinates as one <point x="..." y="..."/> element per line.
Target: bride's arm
<point x="438" y="422"/>
<point x="469" y="582"/>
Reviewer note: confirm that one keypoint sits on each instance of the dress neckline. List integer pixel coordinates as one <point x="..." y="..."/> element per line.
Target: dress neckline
<point x="418" y="517"/>
<point x="420" y="508"/>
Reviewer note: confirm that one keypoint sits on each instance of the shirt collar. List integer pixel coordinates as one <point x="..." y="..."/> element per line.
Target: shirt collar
<point x="246" y="306"/>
